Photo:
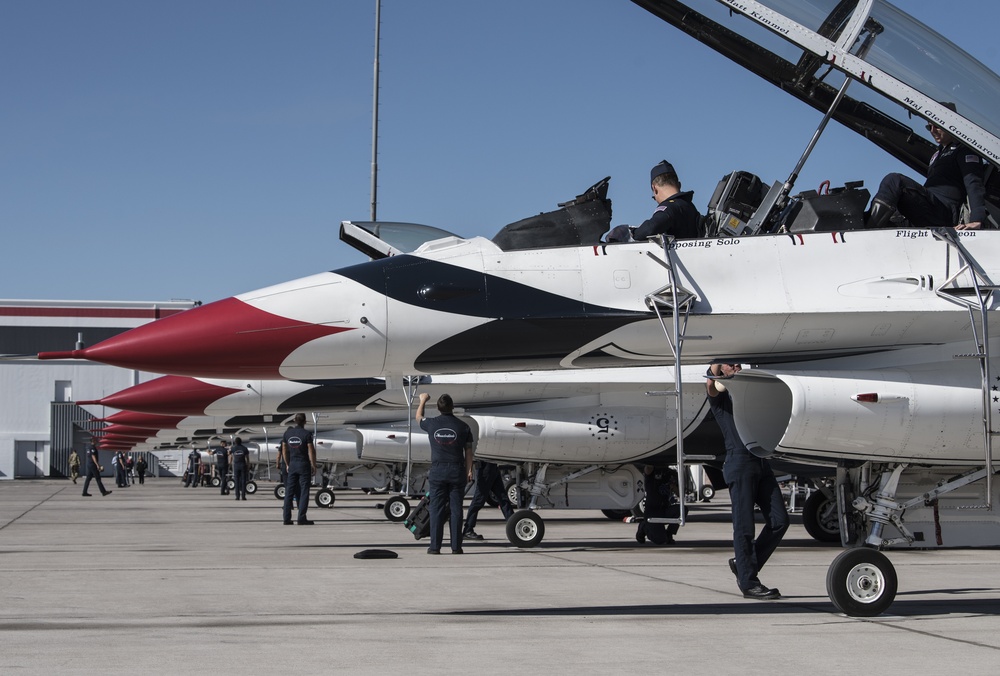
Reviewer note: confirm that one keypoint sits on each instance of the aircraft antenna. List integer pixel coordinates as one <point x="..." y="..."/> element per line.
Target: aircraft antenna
<point x="374" y="205"/>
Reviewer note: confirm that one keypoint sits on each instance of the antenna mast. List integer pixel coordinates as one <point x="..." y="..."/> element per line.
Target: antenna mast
<point x="378" y="11"/>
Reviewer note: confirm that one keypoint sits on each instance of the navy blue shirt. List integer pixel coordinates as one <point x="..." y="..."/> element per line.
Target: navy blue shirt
<point x="675" y="216"/>
<point x="240" y="455"/>
<point x="448" y="436"/>
<point x="297" y="441"/>
<point x="722" y="409"/>
<point x="954" y="173"/>
<point x="221" y="457"/>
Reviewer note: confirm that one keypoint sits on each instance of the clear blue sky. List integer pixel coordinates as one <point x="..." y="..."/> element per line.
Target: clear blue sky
<point x="199" y="149"/>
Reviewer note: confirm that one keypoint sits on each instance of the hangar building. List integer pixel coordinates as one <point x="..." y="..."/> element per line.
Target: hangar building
<point x="39" y="422"/>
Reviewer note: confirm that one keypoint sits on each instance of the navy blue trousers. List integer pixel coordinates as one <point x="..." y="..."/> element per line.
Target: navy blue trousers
<point x="751" y="482"/>
<point x="447" y="488"/>
<point x="488" y="482"/>
<point x="297" y="488"/>
<point x="922" y="208"/>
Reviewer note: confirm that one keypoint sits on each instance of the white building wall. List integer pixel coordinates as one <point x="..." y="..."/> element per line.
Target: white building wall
<point x="28" y="388"/>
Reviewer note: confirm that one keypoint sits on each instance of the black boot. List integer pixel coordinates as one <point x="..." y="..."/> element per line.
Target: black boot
<point x="879" y="214"/>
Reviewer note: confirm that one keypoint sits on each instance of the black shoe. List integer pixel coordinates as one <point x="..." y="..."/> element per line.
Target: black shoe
<point x="732" y="567"/>
<point x="458" y="551"/>
<point x="305" y="522"/>
<point x="107" y="493"/>
<point x="761" y="593"/>
<point x="472" y="535"/>
<point x="243" y="498"/>
<point x="287" y="523"/>
<point x="433" y="551"/>
<point x="87" y="495"/>
<point x="640" y="536"/>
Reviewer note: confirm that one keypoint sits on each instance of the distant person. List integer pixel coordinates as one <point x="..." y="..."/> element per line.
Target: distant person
<point x="675" y="212"/>
<point x="299" y="454"/>
<point x="751" y="482"/>
<point x="488" y="483"/>
<point x="955" y="173"/>
<point x="194" y="469"/>
<point x="222" y="466"/>
<point x="239" y="457"/>
<point x="659" y="484"/>
<point x="94" y="470"/>
<point x="118" y="467"/>
<point x="140" y="468"/>
<point x="129" y="469"/>
<point x="451" y="469"/>
<point x="74" y="465"/>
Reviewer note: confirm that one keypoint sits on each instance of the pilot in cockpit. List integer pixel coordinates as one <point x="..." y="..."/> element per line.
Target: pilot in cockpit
<point x="955" y="173"/>
<point x="675" y="213"/>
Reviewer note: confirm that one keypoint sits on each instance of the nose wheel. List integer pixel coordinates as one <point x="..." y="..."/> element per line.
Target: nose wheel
<point x="525" y="528"/>
<point x="861" y="582"/>
<point x="396" y="509"/>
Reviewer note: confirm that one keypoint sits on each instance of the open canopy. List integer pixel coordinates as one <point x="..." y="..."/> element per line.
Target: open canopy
<point x="808" y="47"/>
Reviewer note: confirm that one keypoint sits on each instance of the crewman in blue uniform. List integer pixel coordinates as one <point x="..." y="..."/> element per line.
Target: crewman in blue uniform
<point x="451" y="469"/>
<point x="194" y="469"/>
<point x="240" y="457"/>
<point x="751" y="482"/>
<point x="222" y="466"/>
<point x="954" y="174"/>
<point x="299" y="454"/>
<point x="675" y="212"/>
<point x="94" y="470"/>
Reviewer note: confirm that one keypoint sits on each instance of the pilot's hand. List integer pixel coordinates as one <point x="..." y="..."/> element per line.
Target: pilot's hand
<point x="975" y="225"/>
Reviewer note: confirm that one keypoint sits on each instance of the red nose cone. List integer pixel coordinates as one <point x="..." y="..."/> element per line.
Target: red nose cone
<point x="224" y="339"/>
<point x="122" y="431"/>
<point x="167" y="396"/>
<point x="149" y="421"/>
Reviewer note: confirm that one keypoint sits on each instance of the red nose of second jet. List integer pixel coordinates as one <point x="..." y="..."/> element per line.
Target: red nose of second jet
<point x="224" y="339"/>
<point x="169" y="395"/>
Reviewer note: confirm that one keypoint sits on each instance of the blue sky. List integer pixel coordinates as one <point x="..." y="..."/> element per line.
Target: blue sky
<point x="199" y="149"/>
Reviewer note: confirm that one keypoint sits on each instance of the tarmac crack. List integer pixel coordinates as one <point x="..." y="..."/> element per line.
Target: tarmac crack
<point x="38" y="504"/>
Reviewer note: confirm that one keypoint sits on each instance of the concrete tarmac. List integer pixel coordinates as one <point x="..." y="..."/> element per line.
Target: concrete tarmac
<point x="159" y="579"/>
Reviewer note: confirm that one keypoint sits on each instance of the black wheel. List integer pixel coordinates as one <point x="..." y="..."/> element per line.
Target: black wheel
<point x="707" y="493"/>
<point x="279" y="491"/>
<point x="819" y="516"/>
<point x="861" y="582"/>
<point x="251" y="487"/>
<point x="396" y="509"/>
<point x="525" y="528"/>
<point x="216" y="482"/>
<point x="230" y="485"/>
<point x="325" y="498"/>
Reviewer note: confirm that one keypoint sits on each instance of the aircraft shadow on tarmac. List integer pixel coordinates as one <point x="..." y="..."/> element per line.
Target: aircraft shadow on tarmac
<point x="788" y="605"/>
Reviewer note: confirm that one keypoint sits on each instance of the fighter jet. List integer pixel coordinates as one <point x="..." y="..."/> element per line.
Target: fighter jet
<point x="853" y="332"/>
<point x="573" y="434"/>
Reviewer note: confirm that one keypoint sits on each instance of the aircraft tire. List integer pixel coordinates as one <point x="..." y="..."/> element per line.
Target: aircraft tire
<point x="617" y="514"/>
<point x="279" y="491"/>
<point x="861" y="582"/>
<point x="216" y="481"/>
<point x="325" y="498"/>
<point x="230" y="485"/>
<point x="819" y="516"/>
<point x="396" y="509"/>
<point x="525" y="528"/>
<point x="707" y="493"/>
<point x="251" y="487"/>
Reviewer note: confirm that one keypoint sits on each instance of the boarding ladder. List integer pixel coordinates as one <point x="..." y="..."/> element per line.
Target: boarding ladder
<point x="976" y="298"/>
<point x="676" y="300"/>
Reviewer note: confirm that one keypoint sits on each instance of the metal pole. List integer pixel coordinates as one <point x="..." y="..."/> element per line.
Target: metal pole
<point x="378" y="12"/>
